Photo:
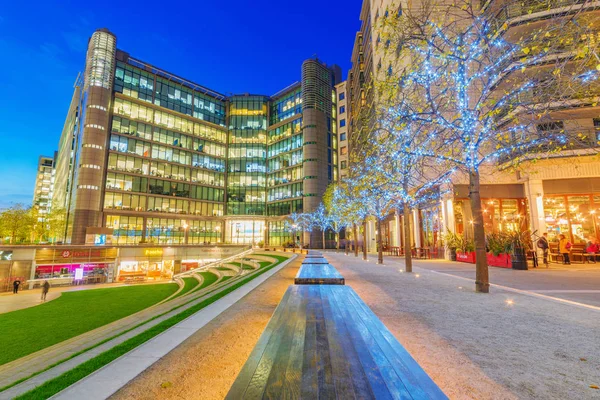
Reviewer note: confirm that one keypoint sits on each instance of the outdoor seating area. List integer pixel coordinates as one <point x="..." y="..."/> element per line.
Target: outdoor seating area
<point x="417" y="252"/>
<point x="323" y="341"/>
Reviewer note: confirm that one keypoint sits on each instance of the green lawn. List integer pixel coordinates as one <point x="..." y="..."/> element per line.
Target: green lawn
<point x="53" y="386"/>
<point x="209" y="279"/>
<point x="222" y="269"/>
<point x="189" y="284"/>
<point x="26" y="331"/>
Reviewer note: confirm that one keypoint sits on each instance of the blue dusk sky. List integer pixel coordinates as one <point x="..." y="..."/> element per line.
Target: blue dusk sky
<point x="229" y="46"/>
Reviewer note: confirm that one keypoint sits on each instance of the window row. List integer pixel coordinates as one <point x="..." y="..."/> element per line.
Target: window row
<point x="246" y="180"/>
<point x="285" y="208"/>
<point x="248" y="166"/>
<point x="134" y="82"/>
<point x="285" y="145"/>
<point x="285" y="176"/>
<point x="141" y="203"/>
<point x="285" y="160"/>
<point x="139" y="129"/>
<point x="285" y="130"/>
<point x="247" y="151"/>
<point x="166" y="120"/>
<point x="132" y="146"/>
<point x="124" y="163"/>
<point x="285" y="192"/>
<point x="286" y="107"/>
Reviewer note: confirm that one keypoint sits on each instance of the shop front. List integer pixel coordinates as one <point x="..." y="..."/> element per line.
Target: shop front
<point x="575" y="214"/>
<point x="79" y="266"/>
<point x="15" y="265"/>
<point x="504" y="209"/>
<point x="153" y="270"/>
<point x="140" y="264"/>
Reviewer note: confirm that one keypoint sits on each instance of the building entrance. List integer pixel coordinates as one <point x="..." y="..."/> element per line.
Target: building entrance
<point x="245" y="231"/>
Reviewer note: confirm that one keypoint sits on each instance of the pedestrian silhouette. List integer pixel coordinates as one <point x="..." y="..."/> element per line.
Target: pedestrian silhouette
<point x="16" y="285"/>
<point x="45" y="289"/>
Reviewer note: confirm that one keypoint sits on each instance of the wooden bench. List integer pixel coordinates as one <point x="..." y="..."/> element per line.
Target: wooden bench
<point x="323" y="342"/>
<point x="318" y="274"/>
<point x="315" y="260"/>
<point x="553" y="254"/>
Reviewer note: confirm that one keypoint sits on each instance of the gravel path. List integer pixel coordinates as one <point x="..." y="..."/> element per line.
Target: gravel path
<point x="475" y="346"/>
<point x="205" y="366"/>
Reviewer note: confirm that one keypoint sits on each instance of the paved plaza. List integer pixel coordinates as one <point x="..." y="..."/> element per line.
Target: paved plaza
<point x="506" y="345"/>
<point x="575" y="282"/>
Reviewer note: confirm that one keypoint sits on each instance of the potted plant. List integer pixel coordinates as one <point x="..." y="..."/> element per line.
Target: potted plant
<point x="520" y="244"/>
<point x="466" y="250"/>
<point x="498" y="245"/>
<point x="452" y="241"/>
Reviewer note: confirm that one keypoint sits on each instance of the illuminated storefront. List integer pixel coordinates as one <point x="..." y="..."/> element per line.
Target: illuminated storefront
<point x="575" y="216"/>
<point x="74" y="265"/>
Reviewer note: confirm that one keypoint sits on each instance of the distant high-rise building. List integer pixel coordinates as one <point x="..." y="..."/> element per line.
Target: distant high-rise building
<point x="44" y="183"/>
<point x="148" y="156"/>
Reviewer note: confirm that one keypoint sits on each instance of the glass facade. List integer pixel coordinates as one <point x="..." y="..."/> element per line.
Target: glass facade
<point x="180" y="161"/>
<point x="575" y="216"/>
<point x="247" y="157"/>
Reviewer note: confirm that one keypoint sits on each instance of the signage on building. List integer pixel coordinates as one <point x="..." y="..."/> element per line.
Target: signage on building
<point x="158" y="252"/>
<point x="6" y="255"/>
<point x="81" y="253"/>
<point x="74" y="254"/>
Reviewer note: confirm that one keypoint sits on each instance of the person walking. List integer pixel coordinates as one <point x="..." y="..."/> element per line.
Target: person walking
<point x="564" y="247"/>
<point x="16" y="285"/>
<point x="45" y="289"/>
<point x="544" y="246"/>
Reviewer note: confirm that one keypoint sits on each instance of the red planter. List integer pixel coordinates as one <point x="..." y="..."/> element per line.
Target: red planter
<point x="501" y="260"/>
<point x="466" y="257"/>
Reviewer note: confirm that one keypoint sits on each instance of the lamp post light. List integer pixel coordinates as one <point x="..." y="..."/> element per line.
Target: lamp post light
<point x="218" y="230"/>
<point x="185" y="227"/>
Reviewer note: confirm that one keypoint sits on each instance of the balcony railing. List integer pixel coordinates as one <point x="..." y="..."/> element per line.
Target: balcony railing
<point x="554" y="142"/>
<point x="513" y="9"/>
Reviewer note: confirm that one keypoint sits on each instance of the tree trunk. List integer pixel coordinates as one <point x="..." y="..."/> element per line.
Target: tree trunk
<point x="323" y="235"/>
<point x="482" y="281"/>
<point x="355" y="241"/>
<point x="379" y="242"/>
<point x="337" y="241"/>
<point x="345" y="244"/>
<point x="407" y="244"/>
<point x="365" y="239"/>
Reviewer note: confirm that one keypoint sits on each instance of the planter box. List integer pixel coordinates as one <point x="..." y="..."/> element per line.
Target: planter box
<point x="501" y="260"/>
<point x="466" y="257"/>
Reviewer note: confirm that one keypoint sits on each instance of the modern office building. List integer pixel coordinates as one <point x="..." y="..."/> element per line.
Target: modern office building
<point x="558" y="194"/>
<point x="343" y="125"/>
<point x="44" y="185"/>
<point x="147" y="156"/>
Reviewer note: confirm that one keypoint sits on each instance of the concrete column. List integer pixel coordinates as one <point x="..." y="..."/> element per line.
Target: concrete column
<point x="398" y="235"/>
<point x="416" y="228"/>
<point x="534" y="190"/>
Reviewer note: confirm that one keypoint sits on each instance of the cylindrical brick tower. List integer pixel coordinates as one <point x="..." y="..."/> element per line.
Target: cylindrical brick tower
<point x="91" y="163"/>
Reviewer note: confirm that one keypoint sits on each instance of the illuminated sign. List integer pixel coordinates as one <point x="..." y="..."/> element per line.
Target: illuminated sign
<point x="6" y="255"/>
<point x="99" y="240"/>
<point x="81" y="253"/>
<point x="78" y="274"/>
<point x="153" y="252"/>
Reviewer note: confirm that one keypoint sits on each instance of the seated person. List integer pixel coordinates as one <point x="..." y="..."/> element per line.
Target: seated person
<point x="592" y="249"/>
